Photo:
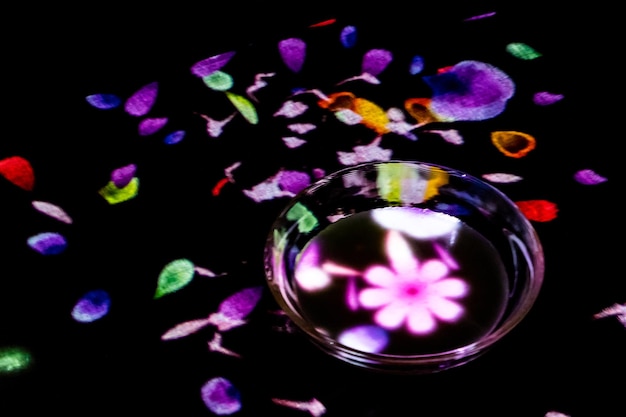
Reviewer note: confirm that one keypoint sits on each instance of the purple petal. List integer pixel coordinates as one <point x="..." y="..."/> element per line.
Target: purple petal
<point x="544" y="98"/>
<point x="417" y="65"/>
<point x="122" y="176"/>
<point x="240" y="304"/>
<point x="211" y="64"/>
<point x="103" y="101"/>
<point x="348" y="36"/>
<point x="292" y="51"/>
<point x="375" y="61"/>
<point x="142" y="100"/>
<point x="221" y="396"/>
<point x="92" y="306"/>
<point x="47" y="243"/>
<point x="589" y="177"/>
<point x="151" y="125"/>
<point x="293" y="181"/>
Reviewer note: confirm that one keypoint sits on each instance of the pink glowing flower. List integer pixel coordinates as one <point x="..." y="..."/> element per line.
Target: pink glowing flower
<point x="411" y="291"/>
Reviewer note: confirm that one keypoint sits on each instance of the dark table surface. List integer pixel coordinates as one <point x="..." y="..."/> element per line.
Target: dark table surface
<point x="192" y="202"/>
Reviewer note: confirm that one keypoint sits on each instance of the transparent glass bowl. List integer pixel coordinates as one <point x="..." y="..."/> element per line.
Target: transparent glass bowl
<point x="403" y="266"/>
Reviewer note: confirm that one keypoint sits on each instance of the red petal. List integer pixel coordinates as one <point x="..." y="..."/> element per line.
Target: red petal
<point x="19" y="171"/>
<point x="538" y="210"/>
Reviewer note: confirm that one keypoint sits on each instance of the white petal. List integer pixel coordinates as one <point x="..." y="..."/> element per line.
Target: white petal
<point x="420" y="320"/>
<point x="375" y="297"/>
<point x="445" y="309"/>
<point x="449" y="287"/>
<point x="380" y="275"/>
<point x="400" y="254"/>
<point x="392" y="315"/>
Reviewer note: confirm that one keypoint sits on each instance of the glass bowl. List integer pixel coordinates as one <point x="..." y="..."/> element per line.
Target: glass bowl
<point x="403" y="266"/>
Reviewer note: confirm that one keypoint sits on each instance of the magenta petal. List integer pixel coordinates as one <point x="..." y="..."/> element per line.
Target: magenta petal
<point x="589" y="177"/>
<point x="375" y="61"/>
<point x="292" y="51"/>
<point x="142" y="100"/>
<point x="151" y="125"/>
<point x="293" y="181"/>
<point x="240" y="304"/>
<point x="221" y="396"/>
<point x="211" y="64"/>
<point x="122" y="176"/>
<point x="103" y="101"/>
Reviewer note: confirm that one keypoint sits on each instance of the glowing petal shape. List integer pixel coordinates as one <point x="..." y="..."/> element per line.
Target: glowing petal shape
<point x="417" y="65"/>
<point x="348" y="36"/>
<point x="451" y="136"/>
<point x="238" y="305"/>
<point x="418" y="223"/>
<point x="174" y="276"/>
<point x="538" y="210"/>
<point x="293" y="142"/>
<point x="293" y="53"/>
<point x="291" y="109"/>
<point x="18" y="171"/>
<point x="365" y="153"/>
<point x="366" y="338"/>
<point x="218" y="81"/>
<point x="141" y="102"/>
<point x="544" y="98"/>
<point x="47" y="243"/>
<point x="314" y="407"/>
<point x="92" y="306"/>
<point x="245" y="107"/>
<point x="185" y="329"/>
<point x="301" y="128"/>
<point x="209" y="65"/>
<point x="104" y="101"/>
<point x="375" y="61"/>
<point x="522" y="51"/>
<point x="53" y="211"/>
<point x="480" y="16"/>
<point x="115" y="195"/>
<point x="589" y="177"/>
<point x="151" y="125"/>
<point x="14" y="360"/>
<point x="121" y="177"/>
<point x="513" y="144"/>
<point x="305" y="218"/>
<point x="502" y="177"/>
<point x="174" y="137"/>
<point x="293" y="181"/>
<point x="221" y="396"/>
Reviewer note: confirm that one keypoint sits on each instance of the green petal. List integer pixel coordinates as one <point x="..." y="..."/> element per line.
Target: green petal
<point x="13" y="360"/>
<point x="305" y="218"/>
<point x="115" y="195"/>
<point x="245" y="107"/>
<point x="522" y="51"/>
<point x="174" y="276"/>
<point x="218" y="80"/>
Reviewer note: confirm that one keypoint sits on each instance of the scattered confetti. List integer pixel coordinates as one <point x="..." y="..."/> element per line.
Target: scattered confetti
<point x="323" y="23"/>
<point x="18" y="171"/>
<point x="293" y="142"/>
<point x="14" y="360"/>
<point x="174" y="137"/>
<point x="92" y="306"/>
<point x="307" y="221"/>
<point x="616" y="310"/>
<point x="481" y="16"/>
<point x="122" y="176"/>
<point x="214" y="128"/>
<point x="375" y="61"/>
<point x="589" y="177"/>
<point x="151" y="125"/>
<point x="218" y="81"/>
<point x="185" y="329"/>
<point x="259" y="83"/>
<point x="538" y="210"/>
<point x="348" y="36"/>
<point x="545" y="98"/>
<point x="291" y="109"/>
<point x="313" y="407"/>
<point x="365" y="153"/>
<point x="53" y="211"/>
<point x="48" y="243"/>
<point x="221" y="396"/>
<point x="174" y="276"/>
<point x="141" y="101"/>
<point x="215" y="345"/>
<point x="235" y="308"/>
<point x="417" y="65"/>
<point x="556" y="414"/>
<point x="245" y="107"/>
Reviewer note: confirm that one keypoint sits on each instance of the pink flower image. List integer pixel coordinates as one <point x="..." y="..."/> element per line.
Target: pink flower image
<point x="411" y="291"/>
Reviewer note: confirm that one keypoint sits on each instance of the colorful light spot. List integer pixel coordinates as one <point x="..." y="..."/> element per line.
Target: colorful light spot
<point x="53" y="211"/>
<point x="122" y="176"/>
<point x="221" y="396"/>
<point x="245" y="107"/>
<point x="218" y="81"/>
<point x="151" y="125"/>
<point x="14" y="360"/>
<point x="417" y="65"/>
<point x="545" y="98"/>
<point x="589" y="177"/>
<point x="210" y="65"/>
<point x="375" y="61"/>
<point x="92" y="306"/>
<point x="522" y="51"/>
<point x="115" y="195"/>
<point x="174" y="137"/>
<point x="366" y="338"/>
<point x="104" y="101"/>
<point x="513" y="144"/>
<point x="348" y="36"/>
<point x="48" y="243"/>
<point x="306" y="220"/>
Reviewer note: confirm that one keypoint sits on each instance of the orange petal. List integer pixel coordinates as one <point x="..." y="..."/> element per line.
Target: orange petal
<point x="513" y="144"/>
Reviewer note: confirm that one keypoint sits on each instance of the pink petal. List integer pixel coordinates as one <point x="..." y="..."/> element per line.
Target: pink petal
<point x="420" y="321"/>
<point x="400" y="254"/>
<point x="240" y="304"/>
<point x="392" y="315"/>
<point x="433" y="270"/>
<point x="375" y="297"/>
<point x="142" y="100"/>
<point x="449" y="287"/>
<point x="379" y="275"/>
<point x="444" y="309"/>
